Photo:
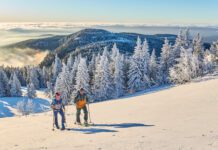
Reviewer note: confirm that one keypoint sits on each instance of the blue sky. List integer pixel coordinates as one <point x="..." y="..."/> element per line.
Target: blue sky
<point x="111" y="11"/>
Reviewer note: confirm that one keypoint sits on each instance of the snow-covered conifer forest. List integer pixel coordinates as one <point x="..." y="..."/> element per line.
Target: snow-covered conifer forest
<point x="111" y="74"/>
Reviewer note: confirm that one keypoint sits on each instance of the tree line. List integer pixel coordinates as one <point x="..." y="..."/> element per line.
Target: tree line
<point x="110" y="74"/>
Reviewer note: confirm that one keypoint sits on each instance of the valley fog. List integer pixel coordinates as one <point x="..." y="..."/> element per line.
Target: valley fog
<point x="13" y="33"/>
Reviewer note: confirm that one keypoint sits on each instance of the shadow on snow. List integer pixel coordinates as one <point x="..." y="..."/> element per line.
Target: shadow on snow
<point x="100" y="130"/>
<point x="5" y="111"/>
<point x="123" y="125"/>
<point x="40" y="105"/>
<point x="92" y="130"/>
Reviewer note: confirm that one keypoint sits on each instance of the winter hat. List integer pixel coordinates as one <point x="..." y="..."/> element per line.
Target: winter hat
<point x="57" y="94"/>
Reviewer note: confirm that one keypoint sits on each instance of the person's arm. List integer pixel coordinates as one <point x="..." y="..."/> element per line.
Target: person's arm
<point x="87" y="99"/>
<point x="75" y="99"/>
<point x="63" y="106"/>
<point x="53" y="104"/>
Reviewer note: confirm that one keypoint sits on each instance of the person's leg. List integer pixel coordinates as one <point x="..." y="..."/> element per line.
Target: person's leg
<point x="62" y="118"/>
<point x="78" y="110"/>
<point x="56" y="119"/>
<point x="85" y="114"/>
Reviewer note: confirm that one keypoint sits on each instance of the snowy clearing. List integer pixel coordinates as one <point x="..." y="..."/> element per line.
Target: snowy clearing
<point x="8" y="104"/>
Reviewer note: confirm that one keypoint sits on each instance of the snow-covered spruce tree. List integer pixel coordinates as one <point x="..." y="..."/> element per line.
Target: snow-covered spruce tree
<point x="214" y="52"/>
<point x="177" y="46"/>
<point x="103" y="79"/>
<point x="91" y="66"/>
<point x="21" y="107"/>
<point x="126" y="64"/>
<point x="63" y="84"/>
<point x="114" y="52"/>
<point x="25" y="107"/>
<point x="134" y="76"/>
<point x="183" y="40"/>
<point x="198" y="53"/>
<point x="20" y="77"/>
<point x="41" y="78"/>
<point x="209" y="64"/>
<point x="50" y="89"/>
<point x="145" y="57"/>
<point x="56" y="68"/>
<point x="31" y="91"/>
<point x="106" y="53"/>
<point x="197" y="47"/>
<point x="119" y="85"/>
<point x="45" y="74"/>
<point x="117" y="71"/>
<point x="91" y="70"/>
<point x="182" y="72"/>
<point x="4" y="84"/>
<point x="166" y="61"/>
<point x="75" y="68"/>
<point x="96" y="77"/>
<point x="73" y="73"/>
<point x="153" y="69"/>
<point x="15" y="87"/>
<point x="29" y="107"/>
<point x="70" y="62"/>
<point x="23" y="72"/>
<point x="138" y="69"/>
<point x="34" y="77"/>
<point x="186" y="38"/>
<point x="195" y="66"/>
<point x="82" y="78"/>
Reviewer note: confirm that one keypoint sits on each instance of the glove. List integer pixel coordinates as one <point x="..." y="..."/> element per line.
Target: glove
<point x="52" y="106"/>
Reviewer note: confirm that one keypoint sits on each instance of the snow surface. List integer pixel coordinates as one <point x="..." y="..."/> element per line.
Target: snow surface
<point x="176" y="118"/>
<point x="8" y="104"/>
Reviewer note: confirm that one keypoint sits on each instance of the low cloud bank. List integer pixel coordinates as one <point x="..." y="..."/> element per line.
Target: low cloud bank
<point x="21" y="57"/>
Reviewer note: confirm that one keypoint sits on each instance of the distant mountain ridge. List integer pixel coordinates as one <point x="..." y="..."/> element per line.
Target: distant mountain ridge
<point x="89" y="41"/>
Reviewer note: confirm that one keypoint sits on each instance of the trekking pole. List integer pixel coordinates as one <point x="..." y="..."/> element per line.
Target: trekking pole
<point x="90" y="121"/>
<point x="53" y="122"/>
<point x="65" y="113"/>
<point x="65" y="121"/>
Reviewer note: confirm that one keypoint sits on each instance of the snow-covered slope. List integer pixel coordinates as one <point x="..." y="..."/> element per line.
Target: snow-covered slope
<point x="177" y="118"/>
<point x="8" y="104"/>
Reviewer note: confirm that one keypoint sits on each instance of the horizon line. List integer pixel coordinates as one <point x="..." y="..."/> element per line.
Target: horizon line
<point x="68" y="23"/>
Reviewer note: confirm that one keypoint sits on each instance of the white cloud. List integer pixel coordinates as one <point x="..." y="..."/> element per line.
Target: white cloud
<point x="21" y="57"/>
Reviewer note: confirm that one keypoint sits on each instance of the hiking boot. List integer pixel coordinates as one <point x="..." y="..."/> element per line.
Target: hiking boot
<point x="86" y="123"/>
<point x="79" y="123"/>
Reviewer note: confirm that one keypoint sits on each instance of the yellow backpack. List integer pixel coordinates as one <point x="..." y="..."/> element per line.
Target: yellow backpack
<point x="81" y="103"/>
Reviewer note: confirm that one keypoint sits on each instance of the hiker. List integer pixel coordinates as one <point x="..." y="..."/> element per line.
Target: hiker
<point x="58" y="107"/>
<point x="81" y="100"/>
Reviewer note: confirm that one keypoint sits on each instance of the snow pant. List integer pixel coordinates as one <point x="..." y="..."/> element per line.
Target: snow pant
<point x="78" y="112"/>
<point x="61" y="112"/>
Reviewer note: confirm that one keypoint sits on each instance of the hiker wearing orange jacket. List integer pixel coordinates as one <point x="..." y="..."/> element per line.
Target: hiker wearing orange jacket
<point x="81" y="100"/>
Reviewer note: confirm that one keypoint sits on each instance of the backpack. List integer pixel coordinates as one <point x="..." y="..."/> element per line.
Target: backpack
<point x="81" y="103"/>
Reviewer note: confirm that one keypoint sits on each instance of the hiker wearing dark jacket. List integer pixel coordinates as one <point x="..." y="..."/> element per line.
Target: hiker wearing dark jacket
<point x="81" y="100"/>
<point x="58" y="107"/>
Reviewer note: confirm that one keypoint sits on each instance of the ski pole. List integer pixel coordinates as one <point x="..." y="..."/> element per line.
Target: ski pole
<point x="90" y="121"/>
<point x="65" y="121"/>
<point x="53" y="124"/>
